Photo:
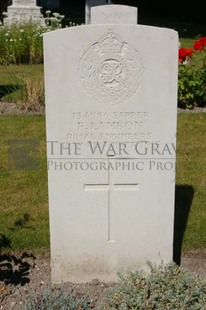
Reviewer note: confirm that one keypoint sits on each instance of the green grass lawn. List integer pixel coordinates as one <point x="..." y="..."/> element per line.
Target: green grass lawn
<point x="13" y="76"/>
<point x="191" y="172"/>
<point x="24" y="200"/>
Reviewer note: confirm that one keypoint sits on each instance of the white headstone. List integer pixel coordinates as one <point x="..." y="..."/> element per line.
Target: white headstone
<point x="115" y="14"/>
<point x="111" y="106"/>
<point x="88" y="5"/>
<point x="24" y="2"/>
<point x="23" y="11"/>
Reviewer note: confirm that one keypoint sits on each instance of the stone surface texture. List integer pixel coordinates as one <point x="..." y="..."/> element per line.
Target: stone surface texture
<point x="115" y="14"/>
<point x="88" y="5"/>
<point x="22" y="11"/>
<point x="111" y="108"/>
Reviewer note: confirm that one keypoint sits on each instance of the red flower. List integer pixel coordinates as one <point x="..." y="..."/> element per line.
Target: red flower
<point x="203" y="41"/>
<point x="184" y="53"/>
<point x="198" y="45"/>
<point x="189" y="52"/>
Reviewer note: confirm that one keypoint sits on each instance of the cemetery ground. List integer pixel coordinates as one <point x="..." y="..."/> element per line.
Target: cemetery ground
<point x="24" y="228"/>
<point x="24" y="225"/>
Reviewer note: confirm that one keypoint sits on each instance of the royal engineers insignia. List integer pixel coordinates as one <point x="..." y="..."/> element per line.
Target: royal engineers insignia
<point x="111" y="70"/>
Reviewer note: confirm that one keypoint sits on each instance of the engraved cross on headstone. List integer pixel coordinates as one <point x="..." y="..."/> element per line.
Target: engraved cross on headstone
<point x="109" y="187"/>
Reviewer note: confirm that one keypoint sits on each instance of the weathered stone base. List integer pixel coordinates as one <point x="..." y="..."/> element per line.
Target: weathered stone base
<point x="21" y="14"/>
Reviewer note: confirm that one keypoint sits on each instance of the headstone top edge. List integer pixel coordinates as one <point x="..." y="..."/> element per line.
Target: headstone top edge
<point x="114" y="14"/>
<point x="86" y="26"/>
<point x="113" y="6"/>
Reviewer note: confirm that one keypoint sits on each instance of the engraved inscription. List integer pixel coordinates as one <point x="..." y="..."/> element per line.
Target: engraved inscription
<point x="109" y="126"/>
<point x="111" y="70"/>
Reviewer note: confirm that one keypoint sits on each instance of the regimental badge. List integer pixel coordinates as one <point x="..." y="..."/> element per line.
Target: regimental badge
<point x="111" y="70"/>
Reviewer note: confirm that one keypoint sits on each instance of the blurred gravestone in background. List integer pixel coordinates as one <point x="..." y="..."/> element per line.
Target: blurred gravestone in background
<point x="23" y="11"/>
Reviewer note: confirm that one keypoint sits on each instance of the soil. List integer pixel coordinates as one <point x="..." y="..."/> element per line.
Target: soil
<point x="8" y="108"/>
<point x="21" y="274"/>
<point x="29" y="273"/>
<point x="33" y="274"/>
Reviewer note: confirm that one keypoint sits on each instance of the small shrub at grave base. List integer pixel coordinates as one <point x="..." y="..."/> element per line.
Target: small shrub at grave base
<point x="52" y="299"/>
<point x="192" y="75"/>
<point x="166" y="287"/>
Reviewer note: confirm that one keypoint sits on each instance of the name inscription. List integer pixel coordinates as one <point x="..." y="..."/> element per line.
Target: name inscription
<point x="111" y="126"/>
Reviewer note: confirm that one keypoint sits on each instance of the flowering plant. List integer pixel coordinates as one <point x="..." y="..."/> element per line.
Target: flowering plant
<point x="192" y="75"/>
<point x="200" y="44"/>
<point x="22" y="43"/>
<point x="185" y="54"/>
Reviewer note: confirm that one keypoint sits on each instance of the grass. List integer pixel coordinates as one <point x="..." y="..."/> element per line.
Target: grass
<point x="191" y="173"/>
<point x="13" y="76"/>
<point x="24" y="201"/>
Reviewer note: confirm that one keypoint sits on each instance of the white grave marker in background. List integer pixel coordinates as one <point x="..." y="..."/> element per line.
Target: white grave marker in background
<point x="111" y="92"/>
<point x="115" y="14"/>
<point x="23" y="11"/>
<point x="88" y="5"/>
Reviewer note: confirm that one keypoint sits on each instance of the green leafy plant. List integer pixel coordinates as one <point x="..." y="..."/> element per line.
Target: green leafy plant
<point x="23" y="43"/>
<point x="54" y="20"/>
<point x="192" y="75"/>
<point x="54" y="299"/>
<point x="166" y="287"/>
<point x="191" y="87"/>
